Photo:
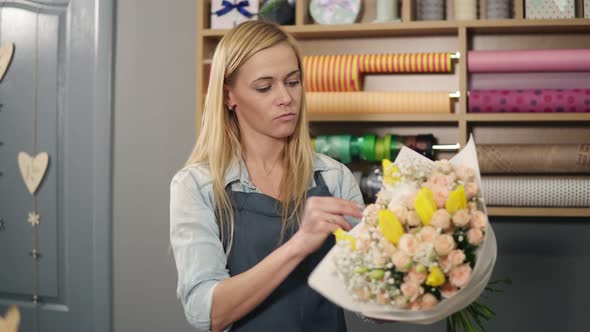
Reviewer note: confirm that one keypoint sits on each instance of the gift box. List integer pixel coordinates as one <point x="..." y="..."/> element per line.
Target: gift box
<point x="226" y="14"/>
<point x="550" y="9"/>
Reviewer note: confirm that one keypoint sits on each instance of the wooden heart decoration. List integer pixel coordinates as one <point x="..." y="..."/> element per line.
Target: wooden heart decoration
<point x="11" y="321"/>
<point x="6" y="51"/>
<point x="33" y="169"/>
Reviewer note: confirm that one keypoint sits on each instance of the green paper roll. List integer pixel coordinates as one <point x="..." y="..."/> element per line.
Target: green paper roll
<point x="369" y="141"/>
<point x="337" y="147"/>
<point x="356" y="146"/>
<point x="387" y="146"/>
<point x="380" y="149"/>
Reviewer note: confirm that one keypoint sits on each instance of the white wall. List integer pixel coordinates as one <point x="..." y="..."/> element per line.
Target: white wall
<point x="154" y="116"/>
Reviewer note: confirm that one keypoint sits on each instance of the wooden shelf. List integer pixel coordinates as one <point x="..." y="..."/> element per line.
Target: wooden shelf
<point x="538" y="212"/>
<point x="423" y="36"/>
<point x="389" y="117"/>
<point x="528" y="117"/>
<point x="414" y="28"/>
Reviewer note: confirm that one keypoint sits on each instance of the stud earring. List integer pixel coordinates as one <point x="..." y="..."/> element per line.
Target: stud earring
<point x="231" y="108"/>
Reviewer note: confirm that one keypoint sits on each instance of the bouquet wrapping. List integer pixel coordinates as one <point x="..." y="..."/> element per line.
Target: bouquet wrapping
<point x="423" y="251"/>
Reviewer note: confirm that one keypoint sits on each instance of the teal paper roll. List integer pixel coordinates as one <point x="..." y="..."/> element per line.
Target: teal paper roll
<point x="337" y="147"/>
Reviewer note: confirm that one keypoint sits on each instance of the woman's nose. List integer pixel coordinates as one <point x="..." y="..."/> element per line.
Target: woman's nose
<point x="284" y="97"/>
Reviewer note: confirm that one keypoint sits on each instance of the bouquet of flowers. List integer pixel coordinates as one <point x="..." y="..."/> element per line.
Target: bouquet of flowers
<point x="423" y="251"/>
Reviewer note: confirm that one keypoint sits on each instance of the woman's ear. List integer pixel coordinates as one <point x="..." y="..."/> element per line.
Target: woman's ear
<point x="228" y="99"/>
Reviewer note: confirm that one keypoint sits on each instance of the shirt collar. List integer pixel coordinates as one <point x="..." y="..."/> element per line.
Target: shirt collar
<point x="238" y="171"/>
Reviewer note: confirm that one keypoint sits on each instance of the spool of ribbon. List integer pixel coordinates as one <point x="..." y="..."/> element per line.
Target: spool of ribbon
<point x="378" y="102"/>
<point x="325" y="73"/>
<point x="542" y="101"/>
<point x="337" y="147"/>
<point x="239" y="6"/>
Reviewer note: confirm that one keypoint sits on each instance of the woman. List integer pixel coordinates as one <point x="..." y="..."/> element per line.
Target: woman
<point x="252" y="212"/>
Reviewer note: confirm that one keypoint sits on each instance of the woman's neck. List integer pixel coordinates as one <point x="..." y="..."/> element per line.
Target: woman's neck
<point x="262" y="153"/>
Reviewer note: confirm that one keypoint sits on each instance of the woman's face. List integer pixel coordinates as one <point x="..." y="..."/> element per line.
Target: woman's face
<point x="267" y="93"/>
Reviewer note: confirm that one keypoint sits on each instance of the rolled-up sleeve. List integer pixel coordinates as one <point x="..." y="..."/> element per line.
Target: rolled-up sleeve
<point x="198" y="252"/>
<point x="351" y="191"/>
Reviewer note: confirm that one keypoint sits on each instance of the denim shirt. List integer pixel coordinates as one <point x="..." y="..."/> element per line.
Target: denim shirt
<point x="194" y="232"/>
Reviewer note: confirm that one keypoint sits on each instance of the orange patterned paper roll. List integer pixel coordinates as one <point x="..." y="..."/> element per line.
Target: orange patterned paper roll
<point x="405" y="63"/>
<point x="378" y="102"/>
<point x="325" y="73"/>
<point x="332" y="73"/>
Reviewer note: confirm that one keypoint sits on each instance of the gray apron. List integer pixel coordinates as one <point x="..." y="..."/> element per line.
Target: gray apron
<point x="293" y="305"/>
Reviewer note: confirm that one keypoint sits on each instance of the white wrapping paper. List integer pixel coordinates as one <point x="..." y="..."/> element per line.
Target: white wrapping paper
<point x="324" y="280"/>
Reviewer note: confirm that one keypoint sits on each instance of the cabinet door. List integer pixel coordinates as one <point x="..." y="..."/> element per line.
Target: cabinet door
<point x="55" y="98"/>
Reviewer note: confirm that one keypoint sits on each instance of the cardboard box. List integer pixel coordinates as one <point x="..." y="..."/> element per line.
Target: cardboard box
<point x="226" y="14"/>
<point x="550" y="9"/>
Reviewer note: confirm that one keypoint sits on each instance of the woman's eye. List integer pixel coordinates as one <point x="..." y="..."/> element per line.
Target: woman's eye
<point x="263" y="89"/>
<point x="293" y="83"/>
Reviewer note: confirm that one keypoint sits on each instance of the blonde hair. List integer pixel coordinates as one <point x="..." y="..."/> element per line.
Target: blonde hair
<point x="218" y="141"/>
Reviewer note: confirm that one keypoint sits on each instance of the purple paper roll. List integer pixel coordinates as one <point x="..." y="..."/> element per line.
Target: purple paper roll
<point x="565" y="60"/>
<point x="516" y="101"/>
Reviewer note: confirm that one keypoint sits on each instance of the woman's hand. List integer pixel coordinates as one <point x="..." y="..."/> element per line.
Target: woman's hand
<point x="321" y="217"/>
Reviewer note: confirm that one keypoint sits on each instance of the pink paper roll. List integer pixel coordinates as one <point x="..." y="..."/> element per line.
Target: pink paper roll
<point x="529" y="61"/>
<point x="515" y="101"/>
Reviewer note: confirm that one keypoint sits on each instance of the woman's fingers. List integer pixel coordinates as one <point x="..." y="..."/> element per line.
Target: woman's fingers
<point x="337" y="206"/>
<point x="336" y="220"/>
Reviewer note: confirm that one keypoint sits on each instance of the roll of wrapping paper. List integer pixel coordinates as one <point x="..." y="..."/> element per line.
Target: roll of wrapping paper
<point x="337" y="147"/>
<point x="514" y="101"/>
<point x="564" y="60"/>
<point x="378" y="102"/>
<point x="537" y="191"/>
<point x="325" y="73"/>
<point x="534" y="158"/>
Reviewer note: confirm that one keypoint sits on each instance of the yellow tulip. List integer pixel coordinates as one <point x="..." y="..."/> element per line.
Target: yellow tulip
<point x="340" y="235"/>
<point x="436" y="277"/>
<point x="390" y="226"/>
<point x="457" y="200"/>
<point x="390" y="172"/>
<point x="425" y="205"/>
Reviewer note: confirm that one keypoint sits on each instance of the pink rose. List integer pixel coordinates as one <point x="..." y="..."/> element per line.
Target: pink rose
<point x="475" y="236"/>
<point x="413" y="219"/>
<point x="427" y="234"/>
<point x="414" y="276"/>
<point x="400" y="212"/>
<point x="388" y="247"/>
<point x="401" y="302"/>
<point x="479" y="220"/>
<point x="441" y="219"/>
<point x="408" y="244"/>
<point x="448" y="290"/>
<point x="460" y="275"/>
<point x="441" y="180"/>
<point x="414" y="306"/>
<point x="471" y="190"/>
<point x="461" y="218"/>
<point x="443" y="244"/>
<point x="383" y="298"/>
<point x="471" y="206"/>
<point x="409" y="202"/>
<point x="456" y="257"/>
<point x="441" y="194"/>
<point x="428" y="301"/>
<point x="401" y="261"/>
<point x="411" y="290"/>
<point x="445" y="264"/>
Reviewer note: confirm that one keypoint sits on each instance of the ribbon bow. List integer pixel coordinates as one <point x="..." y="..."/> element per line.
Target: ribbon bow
<point x="240" y="6"/>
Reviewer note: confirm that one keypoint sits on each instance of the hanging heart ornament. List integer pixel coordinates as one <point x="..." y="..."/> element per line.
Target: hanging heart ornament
<point x="6" y="51"/>
<point x="33" y="169"/>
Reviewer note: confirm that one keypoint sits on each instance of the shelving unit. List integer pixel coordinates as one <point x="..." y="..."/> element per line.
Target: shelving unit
<point x="430" y="36"/>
